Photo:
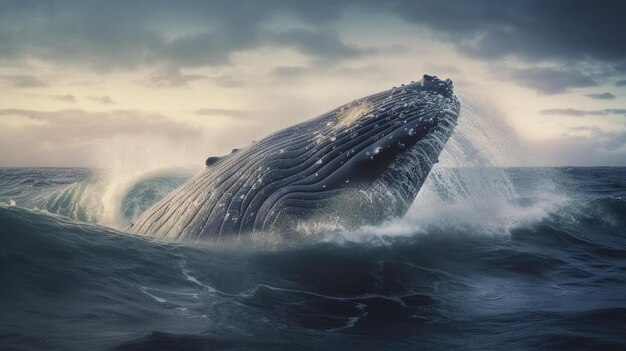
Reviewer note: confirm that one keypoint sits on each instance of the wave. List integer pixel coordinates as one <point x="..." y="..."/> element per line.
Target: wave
<point x="89" y="196"/>
<point x="85" y="200"/>
<point x="72" y="283"/>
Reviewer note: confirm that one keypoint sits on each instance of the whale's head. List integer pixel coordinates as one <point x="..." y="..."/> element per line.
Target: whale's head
<point x="378" y="130"/>
<point x="371" y="156"/>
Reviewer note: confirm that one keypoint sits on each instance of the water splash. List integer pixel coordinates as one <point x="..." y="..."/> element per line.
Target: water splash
<point x="468" y="189"/>
<point x="130" y="175"/>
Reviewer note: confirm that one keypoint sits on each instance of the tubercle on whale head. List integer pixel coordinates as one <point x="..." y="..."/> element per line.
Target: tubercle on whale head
<point x="443" y="87"/>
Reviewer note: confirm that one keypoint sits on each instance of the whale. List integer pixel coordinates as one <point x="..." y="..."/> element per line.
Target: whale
<point x="359" y="164"/>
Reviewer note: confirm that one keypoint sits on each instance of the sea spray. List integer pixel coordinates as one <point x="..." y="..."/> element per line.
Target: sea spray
<point x="469" y="188"/>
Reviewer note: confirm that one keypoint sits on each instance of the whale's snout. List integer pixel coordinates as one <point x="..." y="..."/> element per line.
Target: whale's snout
<point x="434" y="84"/>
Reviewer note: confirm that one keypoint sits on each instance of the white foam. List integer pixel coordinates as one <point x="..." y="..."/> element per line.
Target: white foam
<point x="158" y="299"/>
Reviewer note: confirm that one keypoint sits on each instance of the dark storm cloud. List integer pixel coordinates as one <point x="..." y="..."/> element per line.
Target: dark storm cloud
<point x="562" y="29"/>
<point x="602" y="96"/>
<point x="124" y="34"/>
<point x="319" y="44"/>
<point x="581" y="113"/>
<point x="550" y="80"/>
<point x="621" y="83"/>
<point x="586" y="37"/>
<point x="114" y="34"/>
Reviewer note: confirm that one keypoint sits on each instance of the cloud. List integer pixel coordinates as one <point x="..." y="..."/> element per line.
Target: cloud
<point x="24" y="81"/>
<point x="322" y="67"/>
<point x="621" y="83"/>
<point x="75" y="125"/>
<point x="605" y="140"/>
<point x="173" y="77"/>
<point x="534" y="29"/>
<point x="66" y="97"/>
<point x="72" y="137"/>
<point x="601" y="96"/>
<point x="116" y="34"/>
<point x="122" y="35"/>
<point x="322" y="44"/>
<point x="102" y="99"/>
<point x="289" y="71"/>
<point x="597" y="148"/>
<point x="581" y="113"/>
<point x="550" y="80"/>
<point x="222" y="112"/>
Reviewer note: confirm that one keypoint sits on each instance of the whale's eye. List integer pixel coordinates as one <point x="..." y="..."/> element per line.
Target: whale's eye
<point x="352" y="112"/>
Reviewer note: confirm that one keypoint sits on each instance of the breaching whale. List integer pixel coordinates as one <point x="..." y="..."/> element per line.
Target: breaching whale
<point x="358" y="164"/>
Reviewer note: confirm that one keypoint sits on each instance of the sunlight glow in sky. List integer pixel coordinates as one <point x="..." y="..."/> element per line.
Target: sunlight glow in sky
<point x="206" y="77"/>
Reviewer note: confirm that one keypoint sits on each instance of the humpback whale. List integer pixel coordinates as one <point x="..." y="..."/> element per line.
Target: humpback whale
<point x="358" y="164"/>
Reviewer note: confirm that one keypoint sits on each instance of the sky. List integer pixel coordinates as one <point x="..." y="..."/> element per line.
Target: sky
<point x="85" y="82"/>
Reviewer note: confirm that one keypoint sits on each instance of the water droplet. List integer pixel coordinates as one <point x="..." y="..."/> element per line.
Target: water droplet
<point x="411" y="132"/>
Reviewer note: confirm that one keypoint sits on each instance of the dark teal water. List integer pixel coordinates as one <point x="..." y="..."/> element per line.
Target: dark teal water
<point x="544" y="277"/>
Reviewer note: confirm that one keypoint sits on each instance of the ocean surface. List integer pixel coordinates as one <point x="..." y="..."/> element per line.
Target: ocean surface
<point x="496" y="258"/>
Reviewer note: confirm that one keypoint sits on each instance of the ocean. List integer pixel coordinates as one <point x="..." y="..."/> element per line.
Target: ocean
<point x="493" y="258"/>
